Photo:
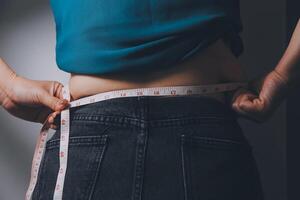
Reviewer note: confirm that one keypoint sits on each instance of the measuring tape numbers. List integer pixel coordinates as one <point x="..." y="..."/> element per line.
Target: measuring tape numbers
<point x="65" y="123"/>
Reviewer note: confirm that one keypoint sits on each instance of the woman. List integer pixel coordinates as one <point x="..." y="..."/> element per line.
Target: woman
<point x="179" y="147"/>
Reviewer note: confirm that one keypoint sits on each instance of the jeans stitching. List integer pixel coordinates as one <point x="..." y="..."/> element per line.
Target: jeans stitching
<point x="141" y="146"/>
<point x="102" y="152"/>
<point x="183" y="168"/>
<point x="79" y="140"/>
<point x="214" y="140"/>
<point x="38" y="184"/>
<point x="42" y="172"/>
<point x="108" y="118"/>
<point x="221" y="143"/>
<point x="139" y="165"/>
<point x="127" y="121"/>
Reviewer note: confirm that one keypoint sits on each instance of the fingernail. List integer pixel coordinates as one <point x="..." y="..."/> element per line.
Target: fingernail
<point x="63" y="103"/>
<point x="50" y="120"/>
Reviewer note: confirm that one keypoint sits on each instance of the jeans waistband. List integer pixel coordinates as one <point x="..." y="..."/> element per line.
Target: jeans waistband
<point x="153" y="108"/>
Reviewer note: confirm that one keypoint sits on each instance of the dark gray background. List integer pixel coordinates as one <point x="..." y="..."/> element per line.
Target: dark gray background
<point x="27" y="42"/>
<point x="293" y="115"/>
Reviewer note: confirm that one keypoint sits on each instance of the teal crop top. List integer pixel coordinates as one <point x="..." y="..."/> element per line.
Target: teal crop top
<point x="108" y="36"/>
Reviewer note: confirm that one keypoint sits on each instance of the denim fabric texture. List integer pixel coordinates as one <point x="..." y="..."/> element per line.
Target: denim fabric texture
<point x="153" y="148"/>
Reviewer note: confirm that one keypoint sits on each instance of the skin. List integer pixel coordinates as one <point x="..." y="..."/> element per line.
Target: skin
<point x="265" y="94"/>
<point x="35" y="100"/>
<point x="223" y="67"/>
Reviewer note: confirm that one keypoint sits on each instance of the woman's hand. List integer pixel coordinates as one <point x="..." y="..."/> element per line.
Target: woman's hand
<point x="262" y="98"/>
<point x="33" y="100"/>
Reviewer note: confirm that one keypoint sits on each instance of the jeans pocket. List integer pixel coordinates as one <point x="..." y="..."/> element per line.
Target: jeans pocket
<point x="217" y="168"/>
<point x="85" y="156"/>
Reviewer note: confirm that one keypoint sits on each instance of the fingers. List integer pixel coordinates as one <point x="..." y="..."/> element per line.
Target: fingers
<point x="240" y="102"/>
<point x="58" y="89"/>
<point x="51" y="120"/>
<point x="52" y="102"/>
<point x="52" y="97"/>
<point x="241" y="95"/>
<point x="52" y="117"/>
<point x="53" y="127"/>
<point x="250" y="106"/>
<point x="246" y="102"/>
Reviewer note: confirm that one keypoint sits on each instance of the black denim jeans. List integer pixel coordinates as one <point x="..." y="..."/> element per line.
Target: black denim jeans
<point x="153" y="148"/>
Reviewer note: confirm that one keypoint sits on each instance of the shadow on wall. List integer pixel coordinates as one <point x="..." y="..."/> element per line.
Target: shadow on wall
<point x="264" y="41"/>
<point x="17" y="8"/>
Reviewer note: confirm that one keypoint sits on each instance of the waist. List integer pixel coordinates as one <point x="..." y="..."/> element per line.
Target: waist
<point x="214" y="65"/>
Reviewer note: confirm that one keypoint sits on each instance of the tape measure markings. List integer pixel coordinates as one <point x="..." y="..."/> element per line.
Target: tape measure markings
<point x="65" y="123"/>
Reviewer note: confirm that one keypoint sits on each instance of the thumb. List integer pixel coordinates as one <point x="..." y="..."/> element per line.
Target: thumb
<point x="52" y="102"/>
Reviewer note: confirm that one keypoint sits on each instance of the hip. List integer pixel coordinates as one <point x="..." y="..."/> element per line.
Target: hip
<point x="153" y="148"/>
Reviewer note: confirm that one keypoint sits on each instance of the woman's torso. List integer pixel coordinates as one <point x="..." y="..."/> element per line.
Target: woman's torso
<point x="146" y="44"/>
<point x="215" y="64"/>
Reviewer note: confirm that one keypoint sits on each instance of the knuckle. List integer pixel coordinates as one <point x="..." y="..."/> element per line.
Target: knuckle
<point x="234" y="106"/>
<point x="6" y="104"/>
<point x="37" y="97"/>
<point x="56" y="89"/>
<point x="56" y="84"/>
<point x="13" y="96"/>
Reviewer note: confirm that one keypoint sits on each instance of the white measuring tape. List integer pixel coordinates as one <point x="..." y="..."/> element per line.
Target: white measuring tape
<point x="65" y="123"/>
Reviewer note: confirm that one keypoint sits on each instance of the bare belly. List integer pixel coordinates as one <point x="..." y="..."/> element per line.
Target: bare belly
<point x="215" y="64"/>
